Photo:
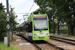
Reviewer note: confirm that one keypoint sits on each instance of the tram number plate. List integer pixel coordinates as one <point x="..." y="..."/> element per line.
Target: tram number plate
<point x="41" y="33"/>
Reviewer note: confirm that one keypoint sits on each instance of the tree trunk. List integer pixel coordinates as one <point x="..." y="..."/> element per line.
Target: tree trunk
<point x="58" y="29"/>
<point x="72" y="30"/>
<point x="69" y="31"/>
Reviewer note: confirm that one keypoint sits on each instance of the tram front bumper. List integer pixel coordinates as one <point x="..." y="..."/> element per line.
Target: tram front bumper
<point x="41" y="37"/>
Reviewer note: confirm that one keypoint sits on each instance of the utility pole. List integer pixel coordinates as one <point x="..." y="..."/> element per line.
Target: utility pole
<point x="8" y="26"/>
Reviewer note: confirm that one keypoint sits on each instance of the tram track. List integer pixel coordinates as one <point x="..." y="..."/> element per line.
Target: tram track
<point x="29" y="41"/>
<point x="43" y="45"/>
<point x="62" y="39"/>
<point x="51" y="44"/>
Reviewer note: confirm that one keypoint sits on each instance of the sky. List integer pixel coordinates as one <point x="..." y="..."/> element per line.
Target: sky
<point x="21" y="6"/>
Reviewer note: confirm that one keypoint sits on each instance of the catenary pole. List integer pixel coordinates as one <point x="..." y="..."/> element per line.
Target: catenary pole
<point x="8" y="26"/>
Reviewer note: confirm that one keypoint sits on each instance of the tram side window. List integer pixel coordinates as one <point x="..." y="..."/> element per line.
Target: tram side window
<point x="30" y="27"/>
<point x="26" y="27"/>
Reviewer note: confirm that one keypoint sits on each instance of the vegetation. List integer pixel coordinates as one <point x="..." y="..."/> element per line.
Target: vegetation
<point x="3" y="21"/>
<point x="64" y="11"/>
<point x="12" y="18"/>
<point x="63" y="28"/>
<point x="4" y="47"/>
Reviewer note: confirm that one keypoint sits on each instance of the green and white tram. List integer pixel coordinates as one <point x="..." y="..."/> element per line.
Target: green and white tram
<point x="36" y="27"/>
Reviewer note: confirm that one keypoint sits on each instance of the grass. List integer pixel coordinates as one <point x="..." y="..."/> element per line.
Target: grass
<point x="4" y="46"/>
<point x="64" y="35"/>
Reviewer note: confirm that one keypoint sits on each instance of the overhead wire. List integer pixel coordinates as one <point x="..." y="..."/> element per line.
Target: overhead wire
<point x="28" y="11"/>
<point x="31" y="7"/>
<point x="20" y="13"/>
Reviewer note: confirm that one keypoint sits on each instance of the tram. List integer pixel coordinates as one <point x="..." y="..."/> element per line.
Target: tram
<point x="35" y="28"/>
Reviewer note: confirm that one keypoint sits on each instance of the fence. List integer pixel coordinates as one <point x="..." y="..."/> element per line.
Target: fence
<point x="61" y="31"/>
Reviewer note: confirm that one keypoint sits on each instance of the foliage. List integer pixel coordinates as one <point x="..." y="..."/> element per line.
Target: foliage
<point x="1" y="7"/>
<point x="14" y="32"/>
<point x="67" y="14"/>
<point x="12" y="18"/>
<point x="63" y="28"/>
<point x="2" y="22"/>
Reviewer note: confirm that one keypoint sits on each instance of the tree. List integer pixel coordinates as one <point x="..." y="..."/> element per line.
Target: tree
<point x="12" y="18"/>
<point x="2" y="22"/>
<point x="68" y="14"/>
<point x="64" y="11"/>
<point x="1" y="6"/>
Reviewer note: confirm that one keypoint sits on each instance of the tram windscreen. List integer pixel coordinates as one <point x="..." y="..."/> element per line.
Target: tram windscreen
<point x="40" y="22"/>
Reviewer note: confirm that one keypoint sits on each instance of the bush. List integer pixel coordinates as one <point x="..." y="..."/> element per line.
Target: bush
<point x="14" y="31"/>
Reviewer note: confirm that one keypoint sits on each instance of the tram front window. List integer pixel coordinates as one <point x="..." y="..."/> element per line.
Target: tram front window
<point x="40" y="22"/>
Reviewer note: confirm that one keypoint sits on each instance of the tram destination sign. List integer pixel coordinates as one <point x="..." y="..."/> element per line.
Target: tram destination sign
<point x="37" y="16"/>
